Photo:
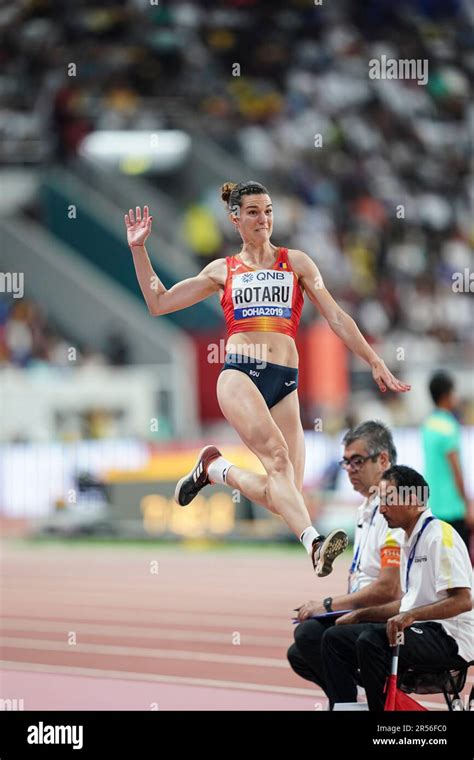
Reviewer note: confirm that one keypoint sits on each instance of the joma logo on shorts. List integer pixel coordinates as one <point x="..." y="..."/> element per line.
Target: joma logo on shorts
<point x="255" y="374"/>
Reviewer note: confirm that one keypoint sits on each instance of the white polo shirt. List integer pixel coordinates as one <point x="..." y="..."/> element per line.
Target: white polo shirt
<point x="439" y="562"/>
<point x="375" y="546"/>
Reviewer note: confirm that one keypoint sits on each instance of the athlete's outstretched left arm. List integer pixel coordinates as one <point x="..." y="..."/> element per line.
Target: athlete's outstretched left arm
<point x="341" y="323"/>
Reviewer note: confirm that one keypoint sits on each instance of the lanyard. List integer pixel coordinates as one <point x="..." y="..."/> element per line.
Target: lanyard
<point x="413" y="550"/>
<point x="358" y="554"/>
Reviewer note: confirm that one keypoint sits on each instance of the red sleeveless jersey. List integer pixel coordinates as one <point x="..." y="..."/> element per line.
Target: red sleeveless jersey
<point x="269" y="300"/>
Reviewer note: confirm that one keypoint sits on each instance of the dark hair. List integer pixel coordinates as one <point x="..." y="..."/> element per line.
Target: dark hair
<point x="408" y="478"/>
<point x="440" y="384"/>
<point x="377" y="437"/>
<point x="232" y="193"/>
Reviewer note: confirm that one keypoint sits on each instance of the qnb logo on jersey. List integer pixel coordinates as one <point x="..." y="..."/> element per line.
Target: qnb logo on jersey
<point x="268" y="294"/>
<point x="270" y="274"/>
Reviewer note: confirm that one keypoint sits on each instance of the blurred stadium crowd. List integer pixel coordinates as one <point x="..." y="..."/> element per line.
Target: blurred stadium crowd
<point x="303" y="72"/>
<point x="30" y="339"/>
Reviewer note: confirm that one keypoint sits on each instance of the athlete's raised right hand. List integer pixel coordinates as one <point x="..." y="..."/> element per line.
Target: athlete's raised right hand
<point x="138" y="226"/>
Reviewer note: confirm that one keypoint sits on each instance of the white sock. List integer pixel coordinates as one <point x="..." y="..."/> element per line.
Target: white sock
<point x="217" y="470"/>
<point x="307" y="537"/>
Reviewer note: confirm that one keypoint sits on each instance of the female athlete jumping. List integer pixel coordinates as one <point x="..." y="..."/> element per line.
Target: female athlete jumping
<point x="261" y="292"/>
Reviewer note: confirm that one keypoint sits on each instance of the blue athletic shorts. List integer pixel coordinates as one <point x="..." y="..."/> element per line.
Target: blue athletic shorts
<point x="274" y="381"/>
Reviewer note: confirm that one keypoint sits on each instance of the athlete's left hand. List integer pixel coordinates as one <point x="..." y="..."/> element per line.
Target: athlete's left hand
<point x="384" y="378"/>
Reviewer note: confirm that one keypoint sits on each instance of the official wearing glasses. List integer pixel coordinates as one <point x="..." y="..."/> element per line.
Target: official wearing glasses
<point x="374" y="573"/>
<point x="434" y="615"/>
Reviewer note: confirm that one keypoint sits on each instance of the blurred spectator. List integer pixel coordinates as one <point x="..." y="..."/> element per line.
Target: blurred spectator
<point x="117" y="350"/>
<point x="442" y="450"/>
<point x="201" y="233"/>
<point x="29" y="339"/>
<point x="369" y="177"/>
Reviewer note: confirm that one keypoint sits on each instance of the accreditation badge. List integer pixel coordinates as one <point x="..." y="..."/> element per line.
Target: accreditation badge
<point x="354" y="582"/>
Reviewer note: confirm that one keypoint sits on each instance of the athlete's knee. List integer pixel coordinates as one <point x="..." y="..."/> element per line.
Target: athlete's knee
<point x="279" y="459"/>
<point x="266" y="501"/>
<point x="258" y="437"/>
<point x="298" y="482"/>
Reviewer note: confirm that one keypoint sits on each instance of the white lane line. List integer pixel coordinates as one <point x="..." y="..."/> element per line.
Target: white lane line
<point x="176" y="680"/>
<point x="209" y="589"/>
<point x="170" y="634"/>
<point x="159" y="654"/>
<point x="145" y="586"/>
<point x="123" y="613"/>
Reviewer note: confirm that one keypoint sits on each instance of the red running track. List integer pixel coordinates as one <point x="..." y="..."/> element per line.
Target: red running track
<point x="89" y="627"/>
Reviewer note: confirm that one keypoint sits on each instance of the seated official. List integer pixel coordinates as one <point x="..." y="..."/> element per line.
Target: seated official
<point x="374" y="576"/>
<point x="435" y="613"/>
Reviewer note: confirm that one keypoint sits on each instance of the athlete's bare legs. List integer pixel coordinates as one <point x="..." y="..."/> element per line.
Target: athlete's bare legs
<point x="244" y="407"/>
<point x="270" y="436"/>
<point x="286" y="415"/>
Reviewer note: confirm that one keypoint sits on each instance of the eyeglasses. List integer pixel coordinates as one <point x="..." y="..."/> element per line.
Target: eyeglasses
<point x="356" y="462"/>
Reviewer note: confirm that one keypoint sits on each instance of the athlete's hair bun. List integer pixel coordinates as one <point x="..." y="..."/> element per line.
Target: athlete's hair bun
<point x="226" y="190"/>
<point x="232" y="194"/>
